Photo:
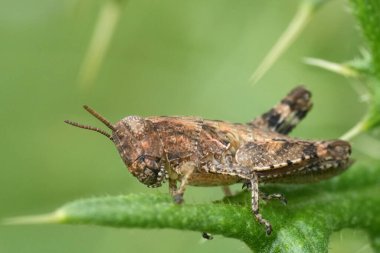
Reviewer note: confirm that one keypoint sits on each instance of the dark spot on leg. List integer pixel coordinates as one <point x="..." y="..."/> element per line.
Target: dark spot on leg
<point x="301" y="114"/>
<point x="272" y="117"/>
<point x="273" y="120"/>
<point x="290" y="103"/>
<point x="287" y="129"/>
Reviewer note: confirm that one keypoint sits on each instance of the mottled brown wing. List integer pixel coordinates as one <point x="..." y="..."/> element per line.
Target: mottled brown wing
<point x="213" y="140"/>
<point x="179" y="135"/>
<point x="272" y="154"/>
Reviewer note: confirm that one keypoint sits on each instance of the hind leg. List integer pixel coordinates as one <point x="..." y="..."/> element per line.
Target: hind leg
<point x="284" y="116"/>
<point x="251" y="177"/>
<point x="255" y="205"/>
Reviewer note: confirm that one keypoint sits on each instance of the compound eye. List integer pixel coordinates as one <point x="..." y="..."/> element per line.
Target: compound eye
<point x="141" y="158"/>
<point x="150" y="172"/>
<point x="148" y="161"/>
<point x="151" y="164"/>
<point x="157" y="178"/>
<point x="150" y="177"/>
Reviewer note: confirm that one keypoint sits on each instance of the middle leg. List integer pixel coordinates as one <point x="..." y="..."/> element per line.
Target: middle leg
<point x="262" y="195"/>
<point x="185" y="170"/>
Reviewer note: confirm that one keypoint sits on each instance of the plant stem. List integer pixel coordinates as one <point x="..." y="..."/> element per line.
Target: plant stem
<point x="296" y="26"/>
<point x="101" y="38"/>
<point x="355" y="130"/>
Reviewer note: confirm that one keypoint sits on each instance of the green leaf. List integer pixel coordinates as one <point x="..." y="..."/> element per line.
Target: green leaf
<point x="313" y="213"/>
<point x="368" y="14"/>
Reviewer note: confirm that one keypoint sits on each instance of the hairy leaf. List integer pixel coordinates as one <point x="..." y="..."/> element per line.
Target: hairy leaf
<point x="313" y="213"/>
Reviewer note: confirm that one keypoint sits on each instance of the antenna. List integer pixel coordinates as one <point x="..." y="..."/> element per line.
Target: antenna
<point x="89" y="128"/>
<point x="99" y="117"/>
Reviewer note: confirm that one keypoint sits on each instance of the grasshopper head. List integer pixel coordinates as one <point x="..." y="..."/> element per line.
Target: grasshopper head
<point x="139" y="146"/>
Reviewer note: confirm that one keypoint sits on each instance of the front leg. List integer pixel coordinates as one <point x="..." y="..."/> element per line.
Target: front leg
<point x="183" y="173"/>
<point x="186" y="169"/>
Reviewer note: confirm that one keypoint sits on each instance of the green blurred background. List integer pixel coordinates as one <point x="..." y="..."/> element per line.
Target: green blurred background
<point x="166" y="58"/>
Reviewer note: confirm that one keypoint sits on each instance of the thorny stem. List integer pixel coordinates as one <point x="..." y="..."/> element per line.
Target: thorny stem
<point x="50" y="218"/>
<point x="346" y="71"/>
<point x="101" y="38"/>
<point x="333" y="67"/>
<point x="296" y="26"/>
<point x="355" y="130"/>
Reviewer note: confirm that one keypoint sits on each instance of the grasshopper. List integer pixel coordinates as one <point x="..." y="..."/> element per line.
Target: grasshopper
<point x="199" y="152"/>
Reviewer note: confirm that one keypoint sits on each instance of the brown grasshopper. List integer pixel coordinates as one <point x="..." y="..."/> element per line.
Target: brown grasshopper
<point x="199" y="152"/>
